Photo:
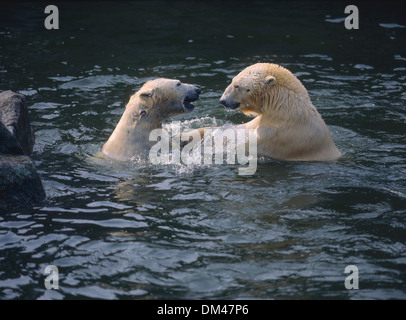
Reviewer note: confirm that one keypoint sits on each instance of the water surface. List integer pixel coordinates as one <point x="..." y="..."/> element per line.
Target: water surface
<point x="131" y="231"/>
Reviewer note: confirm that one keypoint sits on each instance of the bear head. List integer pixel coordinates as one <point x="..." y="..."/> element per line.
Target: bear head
<point x="160" y="99"/>
<point x="255" y="88"/>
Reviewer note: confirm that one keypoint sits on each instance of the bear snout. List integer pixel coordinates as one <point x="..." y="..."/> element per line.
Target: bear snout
<point x="193" y="94"/>
<point x="229" y="104"/>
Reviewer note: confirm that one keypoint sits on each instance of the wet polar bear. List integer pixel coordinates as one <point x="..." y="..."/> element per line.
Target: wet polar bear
<point x="155" y="102"/>
<point x="288" y="126"/>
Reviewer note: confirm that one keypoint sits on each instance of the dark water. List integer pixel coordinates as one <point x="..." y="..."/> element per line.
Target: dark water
<point x="124" y="231"/>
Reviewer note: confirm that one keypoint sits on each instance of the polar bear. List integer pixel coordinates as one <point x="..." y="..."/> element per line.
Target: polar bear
<point x="288" y="126"/>
<point x="155" y="102"/>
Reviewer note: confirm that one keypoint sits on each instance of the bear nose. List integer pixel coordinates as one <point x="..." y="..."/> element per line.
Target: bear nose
<point x="223" y="102"/>
<point x="198" y="91"/>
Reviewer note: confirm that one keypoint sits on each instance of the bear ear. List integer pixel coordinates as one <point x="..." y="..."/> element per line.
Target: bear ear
<point x="269" y="80"/>
<point x="146" y="94"/>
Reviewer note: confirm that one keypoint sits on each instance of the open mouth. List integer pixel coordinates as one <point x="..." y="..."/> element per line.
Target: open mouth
<point x="191" y="96"/>
<point x="189" y="106"/>
<point x="187" y="103"/>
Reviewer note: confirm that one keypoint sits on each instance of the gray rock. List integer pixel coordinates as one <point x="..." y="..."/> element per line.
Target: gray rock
<point x="14" y="115"/>
<point x="8" y="143"/>
<point x="20" y="184"/>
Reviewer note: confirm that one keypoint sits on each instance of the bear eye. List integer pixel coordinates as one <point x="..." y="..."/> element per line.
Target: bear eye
<point x="236" y="87"/>
<point x="178" y="84"/>
<point x="248" y="90"/>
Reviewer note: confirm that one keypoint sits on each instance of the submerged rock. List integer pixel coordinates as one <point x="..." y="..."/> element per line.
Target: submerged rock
<point x="20" y="184"/>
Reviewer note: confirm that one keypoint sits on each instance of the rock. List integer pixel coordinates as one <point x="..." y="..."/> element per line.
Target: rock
<point x="14" y="115"/>
<point x="20" y="184"/>
<point x="8" y="143"/>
